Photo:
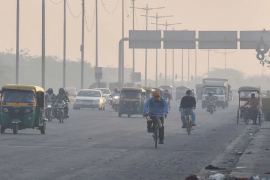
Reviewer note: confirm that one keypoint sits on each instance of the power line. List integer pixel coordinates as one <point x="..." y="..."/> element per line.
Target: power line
<point x="107" y="9"/>
<point x="92" y="21"/>
<point x="127" y="10"/>
<point x="72" y="13"/>
<point x="56" y="2"/>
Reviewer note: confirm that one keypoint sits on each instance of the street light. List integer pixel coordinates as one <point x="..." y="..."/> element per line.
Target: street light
<point x="225" y="54"/>
<point x="209" y="59"/>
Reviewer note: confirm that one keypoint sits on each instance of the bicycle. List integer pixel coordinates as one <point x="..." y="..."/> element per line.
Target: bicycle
<point x="156" y="126"/>
<point x="188" y="121"/>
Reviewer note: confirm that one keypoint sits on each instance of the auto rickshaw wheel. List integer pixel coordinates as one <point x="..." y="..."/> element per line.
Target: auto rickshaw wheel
<point x="43" y="129"/>
<point x="15" y="128"/>
<point x="3" y="130"/>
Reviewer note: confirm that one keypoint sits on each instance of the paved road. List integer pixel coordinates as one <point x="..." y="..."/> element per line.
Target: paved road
<point x="96" y="144"/>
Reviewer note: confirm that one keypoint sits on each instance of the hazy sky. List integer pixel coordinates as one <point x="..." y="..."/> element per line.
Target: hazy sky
<point x="193" y="14"/>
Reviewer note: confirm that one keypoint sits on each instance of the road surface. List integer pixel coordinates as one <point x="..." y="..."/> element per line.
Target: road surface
<point x="99" y="145"/>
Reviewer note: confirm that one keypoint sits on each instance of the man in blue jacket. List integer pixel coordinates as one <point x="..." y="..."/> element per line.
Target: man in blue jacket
<point x="158" y="106"/>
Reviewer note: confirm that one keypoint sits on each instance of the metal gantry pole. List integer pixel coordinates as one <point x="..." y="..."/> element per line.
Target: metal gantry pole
<point x="43" y="44"/>
<point x="146" y="12"/>
<point x="64" y="48"/>
<point x="82" y="46"/>
<point x="18" y="43"/>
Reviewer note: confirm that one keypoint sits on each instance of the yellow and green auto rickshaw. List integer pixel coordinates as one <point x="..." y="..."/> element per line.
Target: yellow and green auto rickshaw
<point x="131" y="101"/>
<point x="149" y="92"/>
<point x="22" y="107"/>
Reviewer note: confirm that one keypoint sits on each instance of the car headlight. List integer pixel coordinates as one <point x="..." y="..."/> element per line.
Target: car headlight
<point x="5" y="110"/>
<point x="27" y="110"/>
<point x="49" y="106"/>
<point x="97" y="100"/>
<point x="116" y="97"/>
<point x="78" y="100"/>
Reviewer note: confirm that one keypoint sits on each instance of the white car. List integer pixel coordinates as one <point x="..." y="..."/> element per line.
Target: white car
<point x="89" y="98"/>
<point x="106" y="92"/>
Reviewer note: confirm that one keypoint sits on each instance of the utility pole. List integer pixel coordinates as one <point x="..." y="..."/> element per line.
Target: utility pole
<point x="82" y="47"/>
<point x="157" y="17"/>
<point x="43" y="44"/>
<point x="166" y="25"/>
<point x="64" y="48"/>
<point x="133" y="50"/>
<point x="18" y="42"/>
<point x="123" y="30"/>
<point x="225" y="54"/>
<point x="146" y="16"/>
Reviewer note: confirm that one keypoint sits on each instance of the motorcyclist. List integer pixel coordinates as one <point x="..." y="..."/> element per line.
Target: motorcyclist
<point x="63" y="97"/>
<point x="211" y="98"/>
<point x="158" y="106"/>
<point x="187" y="102"/>
<point x="168" y="97"/>
<point x="50" y="95"/>
<point x="254" y="107"/>
<point x="115" y="93"/>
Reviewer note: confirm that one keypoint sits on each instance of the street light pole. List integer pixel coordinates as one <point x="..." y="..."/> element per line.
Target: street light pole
<point x="208" y="68"/>
<point x="133" y="50"/>
<point x="43" y="44"/>
<point x="157" y="17"/>
<point x="18" y="42"/>
<point x="82" y="47"/>
<point x="64" y="48"/>
<point x="166" y="25"/>
<point x="146" y="16"/>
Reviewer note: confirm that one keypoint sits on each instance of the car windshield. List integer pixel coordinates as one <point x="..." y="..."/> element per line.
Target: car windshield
<point x="105" y="91"/>
<point x="89" y="93"/>
<point x="215" y="91"/>
<point x="131" y="94"/>
<point x="18" y="96"/>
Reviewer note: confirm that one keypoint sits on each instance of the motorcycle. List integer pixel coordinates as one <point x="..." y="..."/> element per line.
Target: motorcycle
<point x="211" y="107"/>
<point x="50" y="111"/>
<point x="59" y="109"/>
<point x="115" y="103"/>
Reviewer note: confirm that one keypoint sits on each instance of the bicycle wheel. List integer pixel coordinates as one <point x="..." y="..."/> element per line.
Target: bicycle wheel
<point x="155" y="133"/>
<point x="188" y="125"/>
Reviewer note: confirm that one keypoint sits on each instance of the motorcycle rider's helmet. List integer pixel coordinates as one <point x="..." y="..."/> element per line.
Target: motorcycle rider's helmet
<point x="192" y="90"/>
<point x="116" y="90"/>
<point x="50" y="91"/>
<point x="210" y="93"/>
<point x="188" y="92"/>
<point x="61" y="91"/>
<point x="166" y="91"/>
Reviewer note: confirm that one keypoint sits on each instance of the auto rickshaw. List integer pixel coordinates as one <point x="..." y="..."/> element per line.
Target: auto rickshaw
<point x="131" y="101"/>
<point x="149" y="92"/>
<point x="160" y="90"/>
<point x="181" y="92"/>
<point x="23" y="107"/>
<point x="245" y="95"/>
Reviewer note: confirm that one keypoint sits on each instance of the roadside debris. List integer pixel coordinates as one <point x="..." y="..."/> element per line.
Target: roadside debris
<point x="248" y="152"/>
<point x="211" y="167"/>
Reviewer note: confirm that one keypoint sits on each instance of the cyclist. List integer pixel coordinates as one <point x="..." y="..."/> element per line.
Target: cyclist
<point x="187" y="101"/>
<point x="168" y="97"/>
<point x="158" y="106"/>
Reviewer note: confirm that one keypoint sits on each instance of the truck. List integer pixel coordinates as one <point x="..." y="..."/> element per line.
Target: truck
<point x="219" y="88"/>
